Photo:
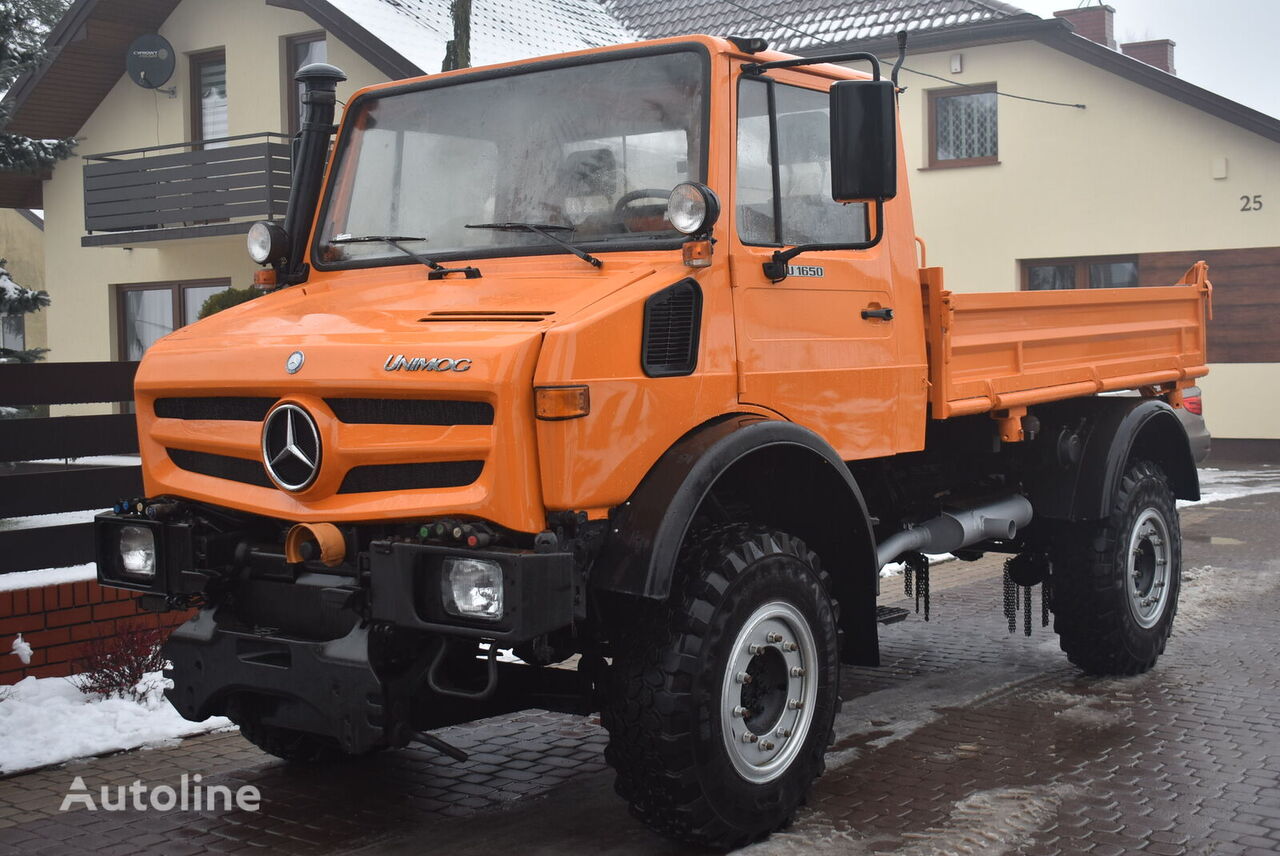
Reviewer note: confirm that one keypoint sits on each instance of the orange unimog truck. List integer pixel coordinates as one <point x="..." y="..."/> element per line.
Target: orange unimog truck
<point x="628" y="359"/>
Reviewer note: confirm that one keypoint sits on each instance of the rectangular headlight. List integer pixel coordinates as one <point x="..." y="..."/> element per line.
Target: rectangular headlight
<point x="472" y="588"/>
<point x="137" y="546"/>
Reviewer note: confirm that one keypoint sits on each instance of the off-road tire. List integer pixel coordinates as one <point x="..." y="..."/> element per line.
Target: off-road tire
<point x="1096" y="619"/>
<point x="664" y="708"/>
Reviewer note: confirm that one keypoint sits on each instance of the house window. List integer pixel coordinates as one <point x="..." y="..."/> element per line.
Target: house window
<point x="209" y="99"/>
<point x="963" y="126"/>
<point x="13" y="331"/>
<point x="1088" y="272"/>
<point x="300" y="51"/>
<point x="789" y="201"/>
<point x="150" y="310"/>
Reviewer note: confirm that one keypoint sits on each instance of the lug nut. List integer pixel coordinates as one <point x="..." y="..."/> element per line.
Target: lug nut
<point x="748" y="737"/>
<point x="790" y="646"/>
<point x="765" y="745"/>
<point x="739" y="711"/>
<point x="797" y="671"/>
<point x="795" y="704"/>
<point x="754" y="649"/>
<point x="743" y="678"/>
<point x="773" y="637"/>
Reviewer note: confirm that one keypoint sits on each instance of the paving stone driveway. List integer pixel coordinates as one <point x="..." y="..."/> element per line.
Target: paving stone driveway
<point x="966" y="740"/>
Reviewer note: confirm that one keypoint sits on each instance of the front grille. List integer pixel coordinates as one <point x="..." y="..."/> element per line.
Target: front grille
<point x="221" y="466"/>
<point x="410" y="411"/>
<point x="230" y="408"/>
<point x="377" y="477"/>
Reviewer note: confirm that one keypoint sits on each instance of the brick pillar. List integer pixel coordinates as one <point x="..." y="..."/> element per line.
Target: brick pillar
<point x="1095" y="23"/>
<point x="1157" y="52"/>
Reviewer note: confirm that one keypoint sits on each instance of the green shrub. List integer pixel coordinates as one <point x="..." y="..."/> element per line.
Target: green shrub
<point x="226" y="299"/>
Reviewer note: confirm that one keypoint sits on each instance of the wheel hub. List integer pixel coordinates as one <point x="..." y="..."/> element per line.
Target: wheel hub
<point x="769" y="691"/>
<point x="1149" y="572"/>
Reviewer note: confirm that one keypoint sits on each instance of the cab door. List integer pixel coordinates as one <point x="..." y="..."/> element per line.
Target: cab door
<point x="805" y="348"/>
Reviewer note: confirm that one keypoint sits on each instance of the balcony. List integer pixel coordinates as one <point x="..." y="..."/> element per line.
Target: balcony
<point x="184" y="190"/>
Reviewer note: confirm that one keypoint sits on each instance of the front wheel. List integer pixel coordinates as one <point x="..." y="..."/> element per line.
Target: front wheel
<point x="1116" y="581"/>
<point x="723" y="699"/>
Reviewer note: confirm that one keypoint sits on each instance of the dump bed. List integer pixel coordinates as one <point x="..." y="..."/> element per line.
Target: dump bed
<point x="1001" y="351"/>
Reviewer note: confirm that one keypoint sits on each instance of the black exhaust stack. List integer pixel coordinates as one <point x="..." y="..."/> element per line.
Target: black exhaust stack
<point x="310" y="148"/>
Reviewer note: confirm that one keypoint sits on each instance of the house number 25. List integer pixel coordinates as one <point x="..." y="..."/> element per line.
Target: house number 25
<point x="1251" y="203"/>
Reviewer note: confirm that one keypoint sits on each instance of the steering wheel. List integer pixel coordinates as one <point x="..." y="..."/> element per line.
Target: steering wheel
<point x="619" y="207"/>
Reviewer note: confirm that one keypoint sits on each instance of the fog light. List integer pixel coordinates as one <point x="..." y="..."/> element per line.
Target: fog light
<point x="472" y="588"/>
<point x="138" y="551"/>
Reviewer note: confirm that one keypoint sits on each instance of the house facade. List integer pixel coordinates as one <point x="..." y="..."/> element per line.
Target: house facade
<point x="147" y="220"/>
<point x="1127" y="177"/>
<point x="1148" y="175"/>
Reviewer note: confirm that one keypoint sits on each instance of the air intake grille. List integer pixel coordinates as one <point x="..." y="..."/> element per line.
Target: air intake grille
<point x="398" y="411"/>
<point x="439" y="474"/>
<point x="221" y="408"/>
<point x="484" y="315"/>
<point x="672" y="320"/>
<point x="221" y="466"/>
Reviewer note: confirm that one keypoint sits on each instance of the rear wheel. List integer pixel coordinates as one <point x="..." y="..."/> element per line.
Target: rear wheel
<point x="1116" y="581"/>
<point x="723" y="699"/>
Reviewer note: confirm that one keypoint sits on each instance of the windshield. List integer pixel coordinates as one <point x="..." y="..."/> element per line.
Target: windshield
<point x="595" y="148"/>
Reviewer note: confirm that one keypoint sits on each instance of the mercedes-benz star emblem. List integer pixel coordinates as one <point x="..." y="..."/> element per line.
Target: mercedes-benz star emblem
<point x="291" y="447"/>
<point x="295" y="361"/>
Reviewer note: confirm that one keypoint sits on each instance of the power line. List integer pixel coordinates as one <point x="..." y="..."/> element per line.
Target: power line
<point x="997" y="92"/>
<point x="809" y="35"/>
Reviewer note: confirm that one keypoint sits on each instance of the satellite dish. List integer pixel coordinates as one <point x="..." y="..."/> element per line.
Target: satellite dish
<point x="150" y="61"/>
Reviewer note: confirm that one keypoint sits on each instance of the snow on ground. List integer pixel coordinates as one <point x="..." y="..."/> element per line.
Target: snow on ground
<point x="894" y="569"/>
<point x="1220" y="485"/>
<point x="48" y="577"/>
<point x="47" y="720"/>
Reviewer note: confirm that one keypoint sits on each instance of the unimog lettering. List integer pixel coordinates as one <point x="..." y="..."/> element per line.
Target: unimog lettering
<point x="399" y="362"/>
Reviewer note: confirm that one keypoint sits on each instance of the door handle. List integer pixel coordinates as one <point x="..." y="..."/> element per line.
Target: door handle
<point x="885" y="314"/>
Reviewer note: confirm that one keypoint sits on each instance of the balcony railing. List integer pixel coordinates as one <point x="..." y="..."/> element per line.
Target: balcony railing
<point x="185" y="189"/>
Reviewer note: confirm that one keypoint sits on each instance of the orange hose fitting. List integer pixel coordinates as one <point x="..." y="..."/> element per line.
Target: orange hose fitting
<point x="333" y="547"/>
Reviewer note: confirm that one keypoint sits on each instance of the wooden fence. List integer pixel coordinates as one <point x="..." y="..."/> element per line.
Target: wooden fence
<point x="38" y="473"/>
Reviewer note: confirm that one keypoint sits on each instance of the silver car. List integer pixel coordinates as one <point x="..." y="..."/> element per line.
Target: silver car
<point x="1192" y="415"/>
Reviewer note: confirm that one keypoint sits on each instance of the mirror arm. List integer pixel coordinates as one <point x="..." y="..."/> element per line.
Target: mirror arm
<point x="756" y="68"/>
<point x="775" y="270"/>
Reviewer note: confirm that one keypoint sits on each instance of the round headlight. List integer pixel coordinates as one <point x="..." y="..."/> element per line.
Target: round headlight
<point x="692" y="207"/>
<point x="266" y="242"/>
<point x="138" y="551"/>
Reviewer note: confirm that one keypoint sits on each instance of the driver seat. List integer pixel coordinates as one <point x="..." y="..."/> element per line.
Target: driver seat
<point x="588" y="180"/>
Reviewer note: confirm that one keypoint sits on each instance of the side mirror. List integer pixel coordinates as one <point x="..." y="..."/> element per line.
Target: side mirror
<point x="864" y="144"/>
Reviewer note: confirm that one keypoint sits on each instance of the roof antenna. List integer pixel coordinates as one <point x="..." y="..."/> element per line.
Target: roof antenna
<point x="902" y="56"/>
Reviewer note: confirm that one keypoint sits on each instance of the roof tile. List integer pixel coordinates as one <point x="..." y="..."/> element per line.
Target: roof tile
<point x="791" y="25"/>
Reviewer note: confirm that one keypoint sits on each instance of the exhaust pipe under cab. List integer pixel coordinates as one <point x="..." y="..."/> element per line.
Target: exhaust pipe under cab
<point x="957" y="529"/>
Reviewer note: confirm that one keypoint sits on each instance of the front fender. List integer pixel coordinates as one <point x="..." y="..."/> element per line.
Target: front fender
<point x="788" y="476"/>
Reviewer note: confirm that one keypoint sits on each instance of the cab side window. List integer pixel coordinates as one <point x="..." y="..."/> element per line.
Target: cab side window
<point x="786" y="200"/>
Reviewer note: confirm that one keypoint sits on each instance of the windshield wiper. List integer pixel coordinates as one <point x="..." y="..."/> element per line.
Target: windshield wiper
<point x="392" y="240"/>
<point x="545" y="230"/>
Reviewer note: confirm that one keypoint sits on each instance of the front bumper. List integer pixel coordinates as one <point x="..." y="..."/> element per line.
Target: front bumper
<point x="294" y="639"/>
<point x="321" y="687"/>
